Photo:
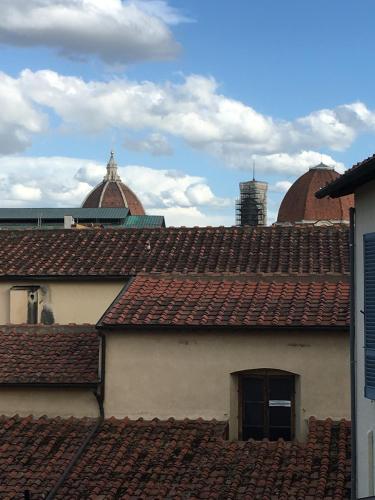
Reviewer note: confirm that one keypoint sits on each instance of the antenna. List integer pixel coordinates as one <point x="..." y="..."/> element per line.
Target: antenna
<point x="253" y="170"/>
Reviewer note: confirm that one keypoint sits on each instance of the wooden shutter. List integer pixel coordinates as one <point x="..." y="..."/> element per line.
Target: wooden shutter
<point x="369" y="319"/>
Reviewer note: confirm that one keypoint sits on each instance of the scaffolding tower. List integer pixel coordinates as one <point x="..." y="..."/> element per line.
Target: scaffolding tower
<point x="251" y="206"/>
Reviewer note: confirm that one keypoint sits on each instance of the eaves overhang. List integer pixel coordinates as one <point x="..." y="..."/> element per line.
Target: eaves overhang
<point x="65" y="277"/>
<point x="350" y="181"/>
<point x="55" y="385"/>
<point x="215" y="328"/>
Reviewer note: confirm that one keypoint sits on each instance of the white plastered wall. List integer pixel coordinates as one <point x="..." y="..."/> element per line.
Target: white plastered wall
<point x="71" y="301"/>
<point x="53" y="402"/>
<point x="190" y="375"/>
<point x="365" y="223"/>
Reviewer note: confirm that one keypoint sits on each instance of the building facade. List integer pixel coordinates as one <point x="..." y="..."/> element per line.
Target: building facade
<point x="268" y="308"/>
<point x="203" y="362"/>
<point x="360" y="180"/>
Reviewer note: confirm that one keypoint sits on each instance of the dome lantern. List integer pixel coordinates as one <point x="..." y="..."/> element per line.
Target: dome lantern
<point x="322" y="166"/>
<point x="112" y="174"/>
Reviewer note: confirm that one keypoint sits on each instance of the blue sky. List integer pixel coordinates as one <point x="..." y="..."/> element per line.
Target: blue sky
<point x="189" y="94"/>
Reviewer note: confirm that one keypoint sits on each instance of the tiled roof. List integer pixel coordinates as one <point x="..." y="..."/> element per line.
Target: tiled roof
<point x="359" y="174"/>
<point x="48" y="354"/>
<point x="34" y="453"/>
<point x="110" y="252"/>
<point x="153" y="460"/>
<point x="223" y="302"/>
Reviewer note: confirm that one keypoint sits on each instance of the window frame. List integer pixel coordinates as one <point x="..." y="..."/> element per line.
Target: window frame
<point x="266" y="373"/>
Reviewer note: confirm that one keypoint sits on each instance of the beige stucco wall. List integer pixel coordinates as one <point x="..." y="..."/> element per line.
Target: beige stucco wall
<point x="71" y="301"/>
<point x="365" y="223"/>
<point x="190" y="375"/>
<point x="54" y="402"/>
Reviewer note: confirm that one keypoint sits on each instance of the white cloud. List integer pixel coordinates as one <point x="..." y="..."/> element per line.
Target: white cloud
<point x="155" y="144"/>
<point x="115" y="31"/>
<point x="25" y="193"/>
<point x="192" y="216"/>
<point x="192" y="110"/>
<point x="324" y="128"/>
<point x="201" y="194"/>
<point x="295" y="164"/>
<point x="19" y="119"/>
<point x="169" y="188"/>
<point x="195" y="111"/>
<point x="281" y="186"/>
<point x="43" y="181"/>
<point x="61" y="182"/>
<point x="161" y="10"/>
<point x="242" y="157"/>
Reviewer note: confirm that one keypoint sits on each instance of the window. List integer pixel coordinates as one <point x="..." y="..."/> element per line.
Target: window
<point x="369" y="318"/>
<point x="266" y="405"/>
<point x="24" y="304"/>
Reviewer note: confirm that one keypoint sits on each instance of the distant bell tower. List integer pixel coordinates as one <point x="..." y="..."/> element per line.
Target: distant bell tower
<point x="251" y="206"/>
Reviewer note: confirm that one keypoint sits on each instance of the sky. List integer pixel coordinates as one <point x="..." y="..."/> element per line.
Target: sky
<point x="190" y="94"/>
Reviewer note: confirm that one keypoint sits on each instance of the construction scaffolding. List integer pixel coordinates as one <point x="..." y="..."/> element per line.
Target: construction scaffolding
<point x="251" y="206"/>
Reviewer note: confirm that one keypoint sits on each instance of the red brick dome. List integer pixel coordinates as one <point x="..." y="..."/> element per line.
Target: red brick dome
<point x="112" y="192"/>
<point x="301" y="205"/>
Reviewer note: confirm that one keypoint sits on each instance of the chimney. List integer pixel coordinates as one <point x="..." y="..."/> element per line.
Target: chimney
<point x="68" y="221"/>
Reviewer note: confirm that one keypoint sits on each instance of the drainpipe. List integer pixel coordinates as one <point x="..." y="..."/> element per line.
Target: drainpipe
<point x="353" y="357"/>
<point x="99" y="394"/>
<point x="52" y="494"/>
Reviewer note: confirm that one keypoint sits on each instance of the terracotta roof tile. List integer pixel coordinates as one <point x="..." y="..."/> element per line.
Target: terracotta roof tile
<point x="300" y="204"/>
<point x="34" y="453"/>
<point x="114" y="194"/>
<point x="48" y="354"/>
<point x="153" y="460"/>
<point x="110" y="252"/>
<point x="182" y="301"/>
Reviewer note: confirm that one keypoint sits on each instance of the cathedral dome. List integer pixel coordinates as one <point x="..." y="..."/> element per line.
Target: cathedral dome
<point x="301" y="205"/>
<point x="111" y="192"/>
